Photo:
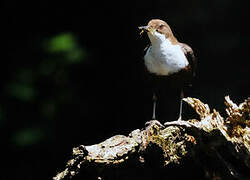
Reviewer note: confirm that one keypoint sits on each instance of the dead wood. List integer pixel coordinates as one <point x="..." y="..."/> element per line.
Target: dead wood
<point x="213" y="141"/>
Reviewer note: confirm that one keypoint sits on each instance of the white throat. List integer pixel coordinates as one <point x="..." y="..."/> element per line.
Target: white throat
<point x="162" y="57"/>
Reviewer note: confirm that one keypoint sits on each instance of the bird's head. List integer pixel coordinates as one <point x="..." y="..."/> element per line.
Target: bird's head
<point x="158" y="30"/>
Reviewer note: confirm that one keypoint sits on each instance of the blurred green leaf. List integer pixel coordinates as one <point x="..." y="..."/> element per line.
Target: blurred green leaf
<point x="28" y="136"/>
<point x="67" y="47"/>
<point x="24" y="92"/>
<point x="62" y="43"/>
<point x="75" y="56"/>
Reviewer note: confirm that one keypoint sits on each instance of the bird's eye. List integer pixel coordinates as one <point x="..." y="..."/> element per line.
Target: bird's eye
<point x="161" y="25"/>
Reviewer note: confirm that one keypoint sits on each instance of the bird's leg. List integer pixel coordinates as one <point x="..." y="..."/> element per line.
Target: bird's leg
<point x="181" y="97"/>
<point x="154" y="121"/>
<point x="154" y="106"/>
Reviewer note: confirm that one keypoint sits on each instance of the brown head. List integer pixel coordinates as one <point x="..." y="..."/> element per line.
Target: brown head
<point x="160" y="26"/>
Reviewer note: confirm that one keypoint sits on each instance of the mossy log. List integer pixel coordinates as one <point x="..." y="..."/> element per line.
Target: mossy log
<point x="219" y="145"/>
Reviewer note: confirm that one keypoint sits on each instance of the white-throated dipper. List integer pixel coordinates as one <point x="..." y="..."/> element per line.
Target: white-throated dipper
<point x="166" y="58"/>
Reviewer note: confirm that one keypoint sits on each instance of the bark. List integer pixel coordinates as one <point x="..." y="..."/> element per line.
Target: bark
<point x="219" y="147"/>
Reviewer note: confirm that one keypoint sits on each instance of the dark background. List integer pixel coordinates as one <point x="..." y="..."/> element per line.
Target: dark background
<point x="72" y="73"/>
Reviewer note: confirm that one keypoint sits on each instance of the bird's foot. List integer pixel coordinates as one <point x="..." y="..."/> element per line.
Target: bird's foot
<point x="182" y="123"/>
<point x="153" y="122"/>
<point x="179" y="119"/>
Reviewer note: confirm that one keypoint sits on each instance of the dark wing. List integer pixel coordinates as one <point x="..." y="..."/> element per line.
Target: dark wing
<point x="190" y="57"/>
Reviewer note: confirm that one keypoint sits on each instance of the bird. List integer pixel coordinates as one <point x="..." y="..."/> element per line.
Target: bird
<point x="167" y="60"/>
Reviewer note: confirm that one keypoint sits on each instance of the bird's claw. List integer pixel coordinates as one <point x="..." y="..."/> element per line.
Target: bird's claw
<point x="179" y="119"/>
<point x="154" y="122"/>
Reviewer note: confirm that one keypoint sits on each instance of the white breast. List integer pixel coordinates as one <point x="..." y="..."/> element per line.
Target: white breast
<point x="165" y="58"/>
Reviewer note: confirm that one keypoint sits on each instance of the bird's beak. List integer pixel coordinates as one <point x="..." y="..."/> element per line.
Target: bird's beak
<point x="145" y="29"/>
